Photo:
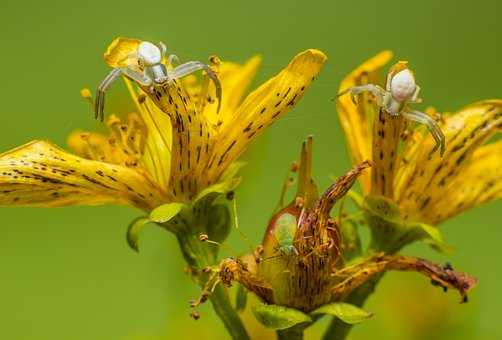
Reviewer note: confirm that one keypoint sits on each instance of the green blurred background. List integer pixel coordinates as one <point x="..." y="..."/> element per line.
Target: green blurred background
<point x="67" y="273"/>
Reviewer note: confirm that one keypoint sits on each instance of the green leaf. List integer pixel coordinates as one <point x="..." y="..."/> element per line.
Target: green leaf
<point x="344" y="311"/>
<point x="166" y="212"/>
<point x="432" y="235"/>
<point x="241" y="298"/>
<point x="430" y="231"/>
<point x="279" y="317"/>
<point x="219" y="188"/>
<point x="133" y="231"/>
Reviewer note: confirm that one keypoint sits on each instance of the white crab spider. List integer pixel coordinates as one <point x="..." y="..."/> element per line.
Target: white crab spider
<point x="401" y="90"/>
<point x="151" y="72"/>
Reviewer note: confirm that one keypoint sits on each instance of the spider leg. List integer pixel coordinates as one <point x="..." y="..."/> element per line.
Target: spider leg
<point x="414" y="98"/>
<point x="432" y="126"/>
<point x="193" y="66"/>
<point x="162" y="47"/>
<point x="138" y="77"/>
<point x="388" y="81"/>
<point x="100" y="93"/>
<point x="354" y="91"/>
<point x="173" y="58"/>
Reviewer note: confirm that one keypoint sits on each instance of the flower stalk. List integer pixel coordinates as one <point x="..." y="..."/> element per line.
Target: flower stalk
<point x="292" y="333"/>
<point x="198" y="256"/>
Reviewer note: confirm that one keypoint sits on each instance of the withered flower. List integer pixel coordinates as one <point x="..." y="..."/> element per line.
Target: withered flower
<point x="302" y="268"/>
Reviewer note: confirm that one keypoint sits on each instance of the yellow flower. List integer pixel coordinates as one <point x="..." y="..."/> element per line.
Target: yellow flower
<point x="424" y="186"/>
<point x="173" y="148"/>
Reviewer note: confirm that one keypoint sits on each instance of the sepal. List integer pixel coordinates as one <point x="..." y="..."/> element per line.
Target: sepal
<point x="390" y="231"/>
<point x="279" y="317"/>
<point x="346" y="312"/>
<point x="133" y="231"/>
<point x="228" y="182"/>
<point x="166" y="212"/>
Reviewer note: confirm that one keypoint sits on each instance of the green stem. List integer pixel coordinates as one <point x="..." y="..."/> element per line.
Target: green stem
<point x="227" y="314"/>
<point x="293" y="333"/>
<point x="380" y="242"/>
<point x="199" y="255"/>
<point x="339" y="330"/>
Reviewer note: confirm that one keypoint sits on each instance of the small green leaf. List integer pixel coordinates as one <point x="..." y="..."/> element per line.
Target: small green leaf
<point x="219" y="188"/>
<point x="430" y="231"/>
<point x="344" y="311"/>
<point x="432" y="235"/>
<point x="279" y="317"/>
<point x="165" y="212"/>
<point x="133" y="231"/>
<point x="241" y="298"/>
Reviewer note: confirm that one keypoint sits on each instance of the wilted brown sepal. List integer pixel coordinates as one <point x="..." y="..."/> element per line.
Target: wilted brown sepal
<point x="352" y="277"/>
<point x="317" y="230"/>
<point x="338" y="189"/>
<point x="236" y="270"/>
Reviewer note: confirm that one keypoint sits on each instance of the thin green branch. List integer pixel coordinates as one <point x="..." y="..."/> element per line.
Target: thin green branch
<point x="227" y="314"/>
<point x="199" y="255"/>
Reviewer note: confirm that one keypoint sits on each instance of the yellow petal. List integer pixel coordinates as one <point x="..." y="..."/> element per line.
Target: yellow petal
<point x="386" y="137"/>
<point x="191" y="136"/>
<point x="263" y="107"/>
<point x="41" y="174"/>
<point x="478" y="182"/>
<point x="121" y="51"/>
<point x="235" y="80"/>
<point x="156" y="157"/>
<point x="424" y="179"/>
<point x="356" y="120"/>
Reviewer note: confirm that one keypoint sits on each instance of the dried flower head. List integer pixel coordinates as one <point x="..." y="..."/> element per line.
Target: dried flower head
<point x="303" y="266"/>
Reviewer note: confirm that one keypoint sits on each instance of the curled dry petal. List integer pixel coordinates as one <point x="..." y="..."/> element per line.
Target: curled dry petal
<point x="354" y="276"/>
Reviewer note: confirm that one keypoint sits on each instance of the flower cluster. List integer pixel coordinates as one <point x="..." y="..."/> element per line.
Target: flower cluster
<point x="312" y="263"/>
<point x="175" y="159"/>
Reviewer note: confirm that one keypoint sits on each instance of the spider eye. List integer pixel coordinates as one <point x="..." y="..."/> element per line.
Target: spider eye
<point x="403" y="85"/>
